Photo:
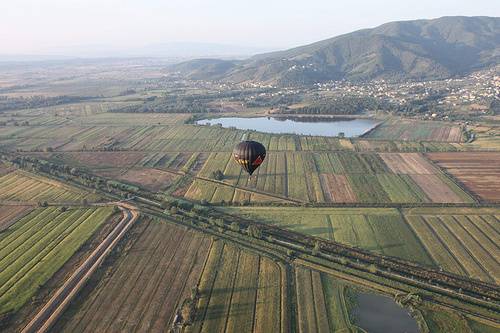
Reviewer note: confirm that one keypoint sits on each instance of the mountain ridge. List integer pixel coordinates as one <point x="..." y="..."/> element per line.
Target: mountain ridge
<point x="418" y="49"/>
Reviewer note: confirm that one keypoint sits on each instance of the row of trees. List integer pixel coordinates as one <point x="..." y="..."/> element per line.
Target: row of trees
<point x="206" y="217"/>
<point x="347" y="105"/>
<point x="21" y="103"/>
<point x="68" y="173"/>
<point x="186" y="103"/>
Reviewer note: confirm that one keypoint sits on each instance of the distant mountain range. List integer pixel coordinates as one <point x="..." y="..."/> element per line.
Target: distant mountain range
<point x="420" y="49"/>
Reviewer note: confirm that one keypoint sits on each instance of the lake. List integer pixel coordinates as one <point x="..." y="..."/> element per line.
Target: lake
<point x="380" y="314"/>
<point x="321" y="126"/>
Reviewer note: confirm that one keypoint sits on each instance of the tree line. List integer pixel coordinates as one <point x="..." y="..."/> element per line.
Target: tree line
<point x="345" y="105"/>
<point x="32" y="102"/>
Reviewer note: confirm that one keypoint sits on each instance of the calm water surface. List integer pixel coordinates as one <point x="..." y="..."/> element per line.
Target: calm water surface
<point x="297" y="125"/>
<point x="380" y="314"/>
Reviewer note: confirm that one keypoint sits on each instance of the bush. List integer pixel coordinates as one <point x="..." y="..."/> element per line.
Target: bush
<point x="235" y="226"/>
<point x="218" y="175"/>
<point x="254" y="231"/>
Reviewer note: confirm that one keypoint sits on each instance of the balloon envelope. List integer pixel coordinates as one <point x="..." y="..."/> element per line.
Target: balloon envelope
<point x="250" y="155"/>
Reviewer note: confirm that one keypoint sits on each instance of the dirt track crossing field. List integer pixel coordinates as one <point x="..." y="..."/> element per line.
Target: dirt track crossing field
<point x="142" y="290"/>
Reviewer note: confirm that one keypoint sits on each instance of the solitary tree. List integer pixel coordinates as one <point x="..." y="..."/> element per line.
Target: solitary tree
<point x="218" y="175"/>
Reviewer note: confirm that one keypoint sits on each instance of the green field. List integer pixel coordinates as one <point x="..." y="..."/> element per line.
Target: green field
<point x="409" y="130"/>
<point x="24" y="186"/>
<point x="37" y="245"/>
<point x="239" y="292"/>
<point x="381" y="230"/>
<point x="460" y="240"/>
<point x="464" y="240"/>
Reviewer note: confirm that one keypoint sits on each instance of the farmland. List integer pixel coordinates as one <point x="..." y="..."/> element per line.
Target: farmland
<point x="422" y="193"/>
<point x="125" y="134"/>
<point x="10" y="214"/>
<point x="145" y="284"/>
<point x="321" y="303"/>
<point x="407" y="130"/>
<point x="239" y="292"/>
<point x="463" y="241"/>
<point x="382" y="230"/>
<point x="479" y="172"/>
<point x="23" y="186"/>
<point x="151" y="179"/>
<point x="37" y="245"/>
<point x="331" y="177"/>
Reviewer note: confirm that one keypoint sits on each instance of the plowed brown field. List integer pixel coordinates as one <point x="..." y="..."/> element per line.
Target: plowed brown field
<point x="105" y="159"/>
<point x="409" y="163"/>
<point x="478" y="171"/>
<point x="337" y="188"/>
<point x="151" y="179"/>
<point x="143" y="289"/>
<point x="436" y="189"/>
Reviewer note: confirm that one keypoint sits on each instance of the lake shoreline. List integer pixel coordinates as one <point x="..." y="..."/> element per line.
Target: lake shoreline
<point x="298" y="125"/>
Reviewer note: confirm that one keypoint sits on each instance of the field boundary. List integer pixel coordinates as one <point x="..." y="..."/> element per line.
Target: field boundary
<point x="52" y="310"/>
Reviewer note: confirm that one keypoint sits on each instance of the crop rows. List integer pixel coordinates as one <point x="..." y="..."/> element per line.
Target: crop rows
<point x="417" y="131"/>
<point x="9" y="215"/>
<point x="133" y="119"/>
<point x="36" y="246"/>
<point x="311" y="304"/>
<point x="381" y="230"/>
<point x="332" y="177"/>
<point x="461" y="242"/>
<point x="144" y="287"/>
<point x="240" y="292"/>
<point x="23" y="186"/>
<point x="102" y="132"/>
<point x="480" y="172"/>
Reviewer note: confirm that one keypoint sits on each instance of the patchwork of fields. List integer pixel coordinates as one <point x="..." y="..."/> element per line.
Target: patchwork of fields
<point x="461" y="240"/>
<point x="410" y="130"/>
<point x="330" y="177"/>
<point x="37" y="245"/>
<point x="143" y="289"/>
<point x="356" y="191"/>
<point x="24" y="186"/>
<point x="480" y="172"/>
<point x="381" y="230"/>
<point x="147" y="135"/>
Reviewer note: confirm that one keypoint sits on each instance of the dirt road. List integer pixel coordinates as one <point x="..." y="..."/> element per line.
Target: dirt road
<point x="51" y="311"/>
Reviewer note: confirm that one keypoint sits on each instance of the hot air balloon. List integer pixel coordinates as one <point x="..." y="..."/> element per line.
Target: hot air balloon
<point x="250" y="155"/>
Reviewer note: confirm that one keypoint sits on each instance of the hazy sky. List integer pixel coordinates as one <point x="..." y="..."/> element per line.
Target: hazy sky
<point x="48" y="26"/>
